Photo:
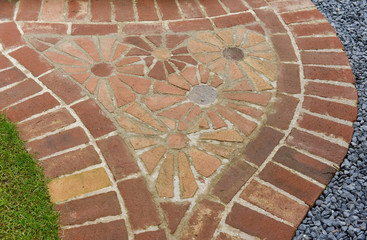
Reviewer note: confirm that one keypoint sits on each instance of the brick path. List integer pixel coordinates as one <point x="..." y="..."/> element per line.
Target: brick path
<point x="195" y="119"/>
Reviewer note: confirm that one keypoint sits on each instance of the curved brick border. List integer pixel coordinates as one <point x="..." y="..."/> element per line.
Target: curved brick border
<point x="264" y="193"/>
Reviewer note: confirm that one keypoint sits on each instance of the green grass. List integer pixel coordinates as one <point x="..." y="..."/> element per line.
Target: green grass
<point x="25" y="208"/>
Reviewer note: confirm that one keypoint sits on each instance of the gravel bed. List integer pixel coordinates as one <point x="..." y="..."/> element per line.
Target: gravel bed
<point x="341" y="210"/>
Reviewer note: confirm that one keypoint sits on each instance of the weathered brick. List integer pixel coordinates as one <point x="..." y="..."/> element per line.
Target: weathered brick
<point x="190" y="25"/>
<point x="283" y="111"/>
<point x="93" y="118"/>
<point x="174" y="212"/>
<point x="271" y="21"/>
<point x="317" y="146"/>
<point x="44" y="124"/>
<point x="62" y="86"/>
<point x="257" y="224"/>
<point x="31" y="60"/>
<point x="234" y="5"/>
<point x="10" y="76"/>
<point x="70" y="162"/>
<point x="327" y="127"/>
<point x="44" y="28"/>
<point x="100" y="11"/>
<point x="274" y="202"/>
<point x="138" y="200"/>
<point x="291" y="5"/>
<point x="78" y="9"/>
<point x="156" y="235"/>
<point x="316" y="43"/>
<point x="291" y="183"/>
<point x="110" y="230"/>
<point x="93" y="29"/>
<point x="312" y="29"/>
<point x="288" y="78"/>
<point x="304" y="164"/>
<point x="7" y="10"/>
<point x="57" y="142"/>
<point x="168" y="10"/>
<point x="232" y="180"/>
<point x="143" y="28"/>
<point x="191" y="9"/>
<point x="259" y="148"/>
<point x="10" y="35"/>
<point x="283" y="46"/>
<point x="4" y="62"/>
<point x="18" y="92"/>
<point x="89" y="208"/>
<point x="124" y="10"/>
<point x="146" y="10"/>
<point x="302" y="16"/>
<point x="327" y="73"/>
<point x="331" y="91"/>
<point x="118" y="158"/>
<point x="28" y="11"/>
<point x="52" y="11"/>
<point x="212" y="8"/>
<point x="325" y="58"/>
<point x="31" y="107"/>
<point x="257" y="3"/>
<point x="204" y="220"/>
<point x="234" y="20"/>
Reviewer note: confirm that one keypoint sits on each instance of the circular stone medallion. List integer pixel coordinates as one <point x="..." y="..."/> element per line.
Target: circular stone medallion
<point x="202" y="94"/>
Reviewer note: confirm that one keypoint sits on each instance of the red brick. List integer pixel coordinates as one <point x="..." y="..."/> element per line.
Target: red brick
<point x="168" y="9"/>
<point x="283" y="111"/>
<point x="190" y="9"/>
<point x="100" y="11"/>
<point x="204" y="220"/>
<point x="327" y="127"/>
<point x="291" y="5"/>
<point x="271" y="21"/>
<point x="43" y="28"/>
<point x="62" y="86"/>
<point x="234" y="5"/>
<point x="331" y="91"/>
<point x="10" y="35"/>
<point x="58" y="142"/>
<point x="288" y="78"/>
<point x="10" y="76"/>
<point x="143" y="28"/>
<point x="118" y="158"/>
<point x="110" y="230"/>
<point x="139" y="203"/>
<point x="18" y="92"/>
<point x="7" y="10"/>
<point x="302" y="16"/>
<point x="212" y="8"/>
<point x="4" y="62"/>
<point x="232" y="180"/>
<point x="259" y="148"/>
<point x="234" y="20"/>
<point x="94" y="118"/>
<point x="78" y="9"/>
<point x="325" y="58"/>
<point x="156" y="235"/>
<point x="305" y="164"/>
<point x="124" y="10"/>
<point x="225" y="236"/>
<point x="315" y="43"/>
<point x="190" y="25"/>
<point x="274" y="202"/>
<point x="146" y="10"/>
<point x="174" y="212"/>
<point x="312" y="29"/>
<point x="44" y="124"/>
<point x="326" y="73"/>
<point x="93" y="29"/>
<point x="256" y="224"/>
<point x="28" y="10"/>
<point x="291" y="183"/>
<point x="337" y="110"/>
<point x="31" y="60"/>
<point x="89" y="209"/>
<point x="317" y="146"/>
<point x="257" y="3"/>
<point x="31" y="107"/>
<point x="52" y="11"/>
<point x="70" y="162"/>
<point x="283" y="46"/>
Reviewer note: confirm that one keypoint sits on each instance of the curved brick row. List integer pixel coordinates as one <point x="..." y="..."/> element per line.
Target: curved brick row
<point x="132" y="151"/>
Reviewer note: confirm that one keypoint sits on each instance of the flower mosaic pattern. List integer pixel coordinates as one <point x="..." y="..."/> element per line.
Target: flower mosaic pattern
<point x="183" y="119"/>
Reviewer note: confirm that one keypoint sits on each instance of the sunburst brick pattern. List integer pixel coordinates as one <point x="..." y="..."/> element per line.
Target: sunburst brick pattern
<point x="178" y="120"/>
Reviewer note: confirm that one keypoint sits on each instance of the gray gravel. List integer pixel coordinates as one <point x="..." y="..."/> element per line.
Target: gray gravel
<point x="341" y="211"/>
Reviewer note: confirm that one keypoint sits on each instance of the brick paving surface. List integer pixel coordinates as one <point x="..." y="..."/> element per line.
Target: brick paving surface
<point x="195" y="119"/>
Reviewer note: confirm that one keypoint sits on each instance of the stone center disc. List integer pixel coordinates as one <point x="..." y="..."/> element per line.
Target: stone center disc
<point x="203" y="94"/>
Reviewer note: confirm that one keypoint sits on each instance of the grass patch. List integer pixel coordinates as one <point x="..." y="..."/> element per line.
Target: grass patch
<point x="25" y="208"/>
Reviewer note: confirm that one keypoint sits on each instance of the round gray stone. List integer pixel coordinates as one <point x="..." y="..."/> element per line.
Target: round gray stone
<point x="203" y="94"/>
